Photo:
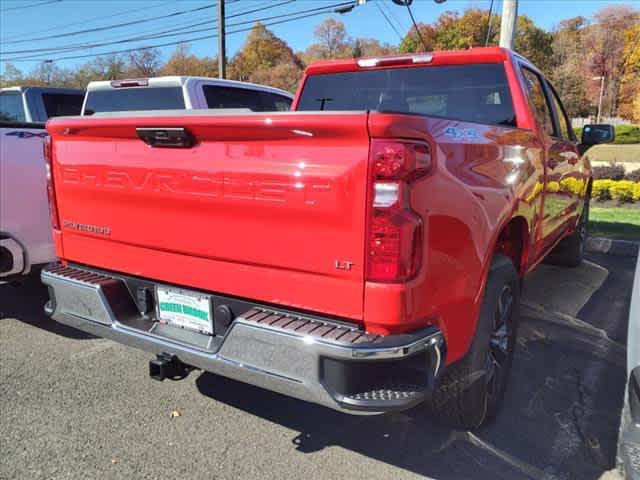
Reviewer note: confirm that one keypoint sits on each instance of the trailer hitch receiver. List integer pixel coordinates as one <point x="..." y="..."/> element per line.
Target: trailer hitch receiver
<point x="168" y="366"/>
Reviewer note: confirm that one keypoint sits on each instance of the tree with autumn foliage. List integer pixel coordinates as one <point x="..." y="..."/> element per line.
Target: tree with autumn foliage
<point x="331" y="41"/>
<point x="183" y="63"/>
<point x="629" y="96"/>
<point x="108" y="67"/>
<point x="452" y="31"/>
<point x="533" y="43"/>
<point x="370" y="47"/>
<point x="144" y="63"/>
<point x="266" y="59"/>
<point x="569" y="70"/>
<point x="604" y="45"/>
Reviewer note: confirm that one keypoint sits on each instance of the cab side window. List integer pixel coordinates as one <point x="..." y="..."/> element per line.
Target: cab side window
<point x="275" y="103"/>
<point x="538" y="101"/>
<point x="11" y="108"/>
<point x="231" y="97"/>
<point x="564" y="124"/>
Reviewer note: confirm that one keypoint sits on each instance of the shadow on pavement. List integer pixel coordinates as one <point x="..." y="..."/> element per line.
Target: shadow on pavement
<point x="560" y="418"/>
<point x="24" y="300"/>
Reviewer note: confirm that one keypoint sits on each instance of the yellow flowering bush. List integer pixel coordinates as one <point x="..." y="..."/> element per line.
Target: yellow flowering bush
<point x="553" y="187"/>
<point x="600" y="190"/>
<point x="620" y="190"/>
<point x="572" y="185"/>
<point x="537" y="188"/>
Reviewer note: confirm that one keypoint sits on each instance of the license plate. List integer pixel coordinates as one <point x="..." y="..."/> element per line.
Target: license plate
<point x="184" y="309"/>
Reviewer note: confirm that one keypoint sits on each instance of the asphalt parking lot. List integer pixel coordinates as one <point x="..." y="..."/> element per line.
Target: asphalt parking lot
<point x="77" y="407"/>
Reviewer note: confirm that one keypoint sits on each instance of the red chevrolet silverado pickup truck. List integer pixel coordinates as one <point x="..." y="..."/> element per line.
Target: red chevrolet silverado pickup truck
<point x="364" y="251"/>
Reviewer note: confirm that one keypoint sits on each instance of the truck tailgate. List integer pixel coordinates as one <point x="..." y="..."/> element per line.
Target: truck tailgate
<point x="269" y="207"/>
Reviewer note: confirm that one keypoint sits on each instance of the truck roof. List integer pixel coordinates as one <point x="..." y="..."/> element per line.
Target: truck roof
<point x="24" y="88"/>
<point x="442" y="57"/>
<point x="179" y="81"/>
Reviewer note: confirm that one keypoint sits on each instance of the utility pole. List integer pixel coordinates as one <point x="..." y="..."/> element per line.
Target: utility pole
<point x="222" y="50"/>
<point x="601" y="78"/>
<point x="49" y="64"/>
<point x="508" y="24"/>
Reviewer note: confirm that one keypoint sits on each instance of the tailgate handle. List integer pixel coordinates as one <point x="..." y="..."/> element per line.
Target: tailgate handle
<point x="173" y="137"/>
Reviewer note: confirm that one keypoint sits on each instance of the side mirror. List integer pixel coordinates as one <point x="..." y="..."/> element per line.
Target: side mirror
<point x="596" y="134"/>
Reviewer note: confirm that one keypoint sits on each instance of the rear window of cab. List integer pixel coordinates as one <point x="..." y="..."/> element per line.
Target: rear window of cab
<point x="471" y="93"/>
<point x="134" y="99"/>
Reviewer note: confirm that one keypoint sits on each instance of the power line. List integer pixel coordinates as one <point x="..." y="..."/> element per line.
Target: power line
<point x="109" y="27"/>
<point x="154" y="30"/>
<point x="86" y="46"/>
<point x="92" y="19"/>
<point x="149" y="34"/>
<point x="135" y="22"/>
<point x="31" y="5"/>
<point x="169" y="33"/>
<point x="271" y="5"/>
<point x="391" y="13"/>
<point x="388" y="21"/>
<point x="416" y="25"/>
<point x="328" y="9"/>
<point x="260" y="4"/>
<point x="161" y="34"/>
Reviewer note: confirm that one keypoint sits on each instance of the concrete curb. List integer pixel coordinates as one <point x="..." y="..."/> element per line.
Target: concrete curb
<point x="623" y="248"/>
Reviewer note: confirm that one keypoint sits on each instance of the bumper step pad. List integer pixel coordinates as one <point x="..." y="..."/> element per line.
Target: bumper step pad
<point x="312" y="329"/>
<point x="389" y="394"/>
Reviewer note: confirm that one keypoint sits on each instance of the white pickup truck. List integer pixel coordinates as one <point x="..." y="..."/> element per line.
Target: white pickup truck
<point x="25" y="229"/>
<point x="179" y="93"/>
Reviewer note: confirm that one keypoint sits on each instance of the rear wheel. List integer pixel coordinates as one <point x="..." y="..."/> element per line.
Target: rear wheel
<point x="570" y="251"/>
<point x="471" y="391"/>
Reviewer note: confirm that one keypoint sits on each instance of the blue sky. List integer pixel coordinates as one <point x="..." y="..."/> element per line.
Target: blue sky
<point x="24" y="19"/>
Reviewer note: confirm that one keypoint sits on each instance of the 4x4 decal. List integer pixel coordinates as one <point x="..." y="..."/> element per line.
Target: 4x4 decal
<point x="22" y="134"/>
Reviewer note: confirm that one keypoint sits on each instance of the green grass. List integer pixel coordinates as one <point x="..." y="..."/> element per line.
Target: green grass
<point x="627" y="134"/>
<point x="615" y="153"/>
<point x="618" y="222"/>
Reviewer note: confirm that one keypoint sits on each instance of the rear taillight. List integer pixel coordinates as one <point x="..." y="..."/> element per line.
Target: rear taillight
<point x="395" y="231"/>
<point x="53" y="207"/>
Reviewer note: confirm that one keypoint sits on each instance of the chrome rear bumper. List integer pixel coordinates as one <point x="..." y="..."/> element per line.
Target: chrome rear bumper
<point x="317" y="360"/>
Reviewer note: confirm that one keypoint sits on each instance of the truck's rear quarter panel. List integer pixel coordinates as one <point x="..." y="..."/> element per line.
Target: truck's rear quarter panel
<point x="262" y="206"/>
<point x="482" y="177"/>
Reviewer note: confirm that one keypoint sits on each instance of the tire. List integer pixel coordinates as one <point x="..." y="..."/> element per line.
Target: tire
<point x="570" y="251"/>
<point x="470" y="392"/>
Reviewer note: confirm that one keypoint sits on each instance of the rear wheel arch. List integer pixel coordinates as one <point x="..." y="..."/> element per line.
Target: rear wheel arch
<point x="471" y="390"/>
<point x="513" y="243"/>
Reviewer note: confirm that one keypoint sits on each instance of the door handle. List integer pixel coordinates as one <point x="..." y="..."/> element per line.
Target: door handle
<point x="166" y="137"/>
